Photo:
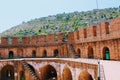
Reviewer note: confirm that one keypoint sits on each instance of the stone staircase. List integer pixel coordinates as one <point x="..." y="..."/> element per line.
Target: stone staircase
<point x="30" y="70"/>
<point x="72" y="50"/>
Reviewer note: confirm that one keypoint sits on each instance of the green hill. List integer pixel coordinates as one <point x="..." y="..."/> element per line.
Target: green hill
<point x="64" y="22"/>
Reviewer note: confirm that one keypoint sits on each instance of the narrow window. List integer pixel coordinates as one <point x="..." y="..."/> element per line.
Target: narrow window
<point x="94" y="31"/>
<point x="85" y="33"/>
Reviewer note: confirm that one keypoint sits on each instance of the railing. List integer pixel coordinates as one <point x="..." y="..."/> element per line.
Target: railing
<point x="30" y="70"/>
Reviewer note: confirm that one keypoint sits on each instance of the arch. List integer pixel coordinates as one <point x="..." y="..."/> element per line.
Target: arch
<point x="56" y="52"/>
<point x="22" y="75"/>
<point x="84" y="75"/>
<point x="33" y="53"/>
<point x="11" y="55"/>
<point x="78" y="52"/>
<point x="90" y="52"/>
<point x="20" y="52"/>
<point x="48" y="72"/>
<point x="44" y="53"/>
<point x="106" y="53"/>
<point x="66" y="75"/>
<point x="7" y="73"/>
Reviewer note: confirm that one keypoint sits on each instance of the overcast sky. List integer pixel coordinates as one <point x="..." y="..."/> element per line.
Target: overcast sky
<point x="14" y="12"/>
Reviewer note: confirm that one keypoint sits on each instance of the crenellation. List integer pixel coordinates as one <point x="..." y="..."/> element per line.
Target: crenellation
<point x="25" y="40"/>
<point x="51" y="38"/>
<point x="14" y="41"/>
<point x="99" y="36"/>
<point x="4" y="40"/>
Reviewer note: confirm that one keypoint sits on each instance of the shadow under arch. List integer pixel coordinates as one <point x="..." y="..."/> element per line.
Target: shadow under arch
<point x="7" y="73"/>
<point x="66" y="74"/>
<point x="48" y="72"/>
<point x="84" y="75"/>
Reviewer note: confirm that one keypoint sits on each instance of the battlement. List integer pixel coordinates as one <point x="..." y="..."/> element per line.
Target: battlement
<point x="98" y="32"/>
<point x="33" y="40"/>
<point x="101" y="31"/>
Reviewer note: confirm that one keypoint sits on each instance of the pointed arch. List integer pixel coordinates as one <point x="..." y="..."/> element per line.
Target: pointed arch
<point x="90" y="52"/>
<point x="7" y="73"/>
<point x="106" y="53"/>
<point x="66" y="74"/>
<point x="84" y="75"/>
<point x="48" y="72"/>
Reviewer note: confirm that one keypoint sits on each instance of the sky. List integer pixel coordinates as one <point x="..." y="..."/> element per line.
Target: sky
<point x="14" y="12"/>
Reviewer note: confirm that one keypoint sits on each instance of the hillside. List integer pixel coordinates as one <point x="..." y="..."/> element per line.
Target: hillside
<point x="64" y="22"/>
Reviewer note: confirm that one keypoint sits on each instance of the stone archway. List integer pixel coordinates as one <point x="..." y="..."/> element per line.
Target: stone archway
<point x="90" y="52"/>
<point x="56" y="52"/>
<point x="48" y="72"/>
<point x="22" y="75"/>
<point x="66" y="75"/>
<point x="106" y="53"/>
<point x="11" y="55"/>
<point x="7" y="73"/>
<point x="78" y="52"/>
<point x="44" y="54"/>
<point x="33" y="53"/>
<point x="20" y="53"/>
<point x="84" y="75"/>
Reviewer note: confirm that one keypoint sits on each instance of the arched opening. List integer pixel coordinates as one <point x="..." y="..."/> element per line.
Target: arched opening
<point x="84" y="75"/>
<point x="20" y="52"/>
<point x="106" y="53"/>
<point x="33" y="53"/>
<point x="90" y="53"/>
<point x="22" y="75"/>
<point x="7" y="73"/>
<point x="44" y="53"/>
<point x="66" y="75"/>
<point x="11" y="55"/>
<point x="55" y="53"/>
<point x="78" y="53"/>
<point x="48" y="72"/>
